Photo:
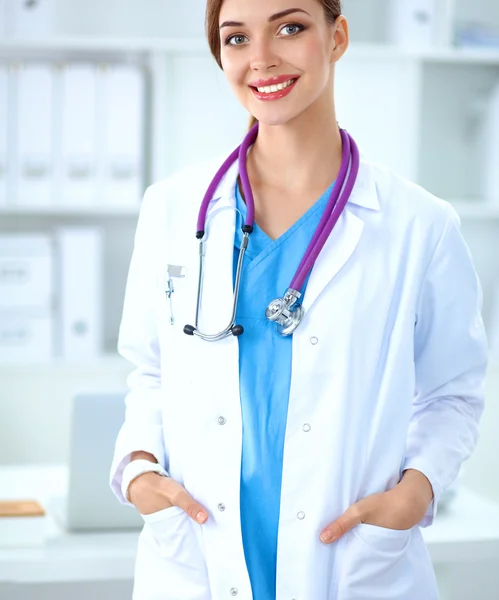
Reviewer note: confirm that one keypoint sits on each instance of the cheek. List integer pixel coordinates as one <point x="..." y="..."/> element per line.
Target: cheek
<point x="314" y="57"/>
<point x="230" y="67"/>
<point x="235" y="72"/>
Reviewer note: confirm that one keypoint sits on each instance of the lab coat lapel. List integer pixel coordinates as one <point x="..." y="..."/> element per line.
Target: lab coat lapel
<point x="217" y="298"/>
<point x="344" y="238"/>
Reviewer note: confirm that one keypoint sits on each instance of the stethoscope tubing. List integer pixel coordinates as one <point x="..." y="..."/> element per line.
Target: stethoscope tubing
<point x="210" y="192"/>
<point x="333" y="211"/>
<point x="337" y="201"/>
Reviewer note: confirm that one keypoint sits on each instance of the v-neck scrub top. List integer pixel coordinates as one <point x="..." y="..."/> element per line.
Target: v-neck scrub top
<point x="265" y="377"/>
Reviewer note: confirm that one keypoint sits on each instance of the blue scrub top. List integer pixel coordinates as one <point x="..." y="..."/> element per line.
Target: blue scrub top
<point x="265" y="379"/>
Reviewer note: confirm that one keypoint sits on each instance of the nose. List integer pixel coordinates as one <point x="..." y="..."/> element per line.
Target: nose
<point x="263" y="56"/>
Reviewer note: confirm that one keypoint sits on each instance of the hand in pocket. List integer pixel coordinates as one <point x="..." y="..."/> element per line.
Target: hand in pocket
<point x="151" y="493"/>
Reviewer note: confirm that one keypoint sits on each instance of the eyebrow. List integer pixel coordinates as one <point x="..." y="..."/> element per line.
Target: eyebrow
<point x="276" y="17"/>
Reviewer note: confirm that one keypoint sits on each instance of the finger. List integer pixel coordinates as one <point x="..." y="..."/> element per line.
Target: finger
<point x="180" y="497"/>
<point x="348" y="520"/>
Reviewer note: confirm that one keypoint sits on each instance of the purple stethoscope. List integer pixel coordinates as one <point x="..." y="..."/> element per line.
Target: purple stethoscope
<point x="286" y="312"/>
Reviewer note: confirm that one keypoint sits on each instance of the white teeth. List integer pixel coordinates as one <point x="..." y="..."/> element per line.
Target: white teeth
<point x="271" y="89"/>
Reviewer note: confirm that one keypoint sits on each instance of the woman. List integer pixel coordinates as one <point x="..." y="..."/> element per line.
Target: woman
<point x="300" y="466"/>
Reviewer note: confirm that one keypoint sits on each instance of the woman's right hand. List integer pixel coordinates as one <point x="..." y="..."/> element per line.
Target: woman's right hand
<point x="151" y="493"/>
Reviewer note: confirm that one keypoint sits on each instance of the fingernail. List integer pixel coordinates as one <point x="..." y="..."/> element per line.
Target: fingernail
<point x="326" y="537"/>
<point x="201" y="517"/>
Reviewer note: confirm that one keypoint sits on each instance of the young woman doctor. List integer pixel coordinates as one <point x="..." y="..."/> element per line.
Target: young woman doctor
<point x="294" y="458"/>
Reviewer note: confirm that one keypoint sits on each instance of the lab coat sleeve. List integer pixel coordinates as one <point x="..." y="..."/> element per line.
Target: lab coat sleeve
<point x="138" y="343"/>
<point x="451" y="353"/>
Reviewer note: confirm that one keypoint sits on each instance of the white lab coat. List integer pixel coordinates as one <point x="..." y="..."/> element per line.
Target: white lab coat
<point x="394" y="382"/>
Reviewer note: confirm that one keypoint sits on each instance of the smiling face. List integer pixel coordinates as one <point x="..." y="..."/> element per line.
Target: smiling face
<point x="278" y="56"/>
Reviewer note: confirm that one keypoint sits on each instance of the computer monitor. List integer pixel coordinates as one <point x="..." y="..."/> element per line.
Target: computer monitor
<point x="91" y="505"/>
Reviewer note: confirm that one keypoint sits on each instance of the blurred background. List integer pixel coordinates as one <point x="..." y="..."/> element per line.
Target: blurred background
<point x="100" y="98"/>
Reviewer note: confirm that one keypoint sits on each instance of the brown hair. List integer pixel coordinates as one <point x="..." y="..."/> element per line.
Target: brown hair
<point x="332" y="10"/>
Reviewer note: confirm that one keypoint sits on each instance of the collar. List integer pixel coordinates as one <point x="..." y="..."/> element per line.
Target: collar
<point x="364" y="193"/>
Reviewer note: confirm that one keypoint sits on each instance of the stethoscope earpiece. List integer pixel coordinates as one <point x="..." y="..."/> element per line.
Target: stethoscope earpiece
<point x="189" y="330"/>
<point x="237" y="330"/>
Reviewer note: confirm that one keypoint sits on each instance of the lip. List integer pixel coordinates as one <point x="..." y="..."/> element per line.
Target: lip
<point x="272" y="81"/>
<point x="274" y="95"/>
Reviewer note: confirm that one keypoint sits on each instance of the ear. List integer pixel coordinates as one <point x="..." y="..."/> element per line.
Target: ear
<point x="340" y="39"/>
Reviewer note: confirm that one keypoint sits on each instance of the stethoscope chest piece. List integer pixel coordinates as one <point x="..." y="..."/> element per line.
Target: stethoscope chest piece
<point x="286" y="312"/>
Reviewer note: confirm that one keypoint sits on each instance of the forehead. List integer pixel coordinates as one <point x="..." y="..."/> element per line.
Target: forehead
<point x="248" y="11"/>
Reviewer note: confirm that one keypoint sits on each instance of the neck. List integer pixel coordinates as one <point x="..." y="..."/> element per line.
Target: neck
<point x="303" y="154"/>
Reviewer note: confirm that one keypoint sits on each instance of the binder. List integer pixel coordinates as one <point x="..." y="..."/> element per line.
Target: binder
<point x="35" y="128"/>
<point x="26" y="273"/>
<point x="26" y="337"/>
<point x="412" y="23"/>
<point x="490" y="150"/>
<point x="4" y="94"/>
<point x="78" y="153"/>
<point x="80" y="283"/>
<point x="494" y="325"/>
<point x="28" y="19"/>
<point x="3" y="17"/>
<point x="121" y="123"/>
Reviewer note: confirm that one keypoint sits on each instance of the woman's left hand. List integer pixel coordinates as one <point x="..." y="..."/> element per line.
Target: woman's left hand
<point x="401" y="508"/>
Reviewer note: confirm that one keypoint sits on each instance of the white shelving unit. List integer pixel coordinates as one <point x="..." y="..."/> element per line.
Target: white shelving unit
<point x="411" y="109"/>
<point x="419" y="119"/>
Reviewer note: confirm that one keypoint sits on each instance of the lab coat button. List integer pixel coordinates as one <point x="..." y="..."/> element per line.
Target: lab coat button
<point x="234" y="592"/>
<point x="221" y="507"/>
<point x="314" y="341"/>
<point x="306" y="428"/>
<point x="221" y="420"/>
<point x="301" y="515"/>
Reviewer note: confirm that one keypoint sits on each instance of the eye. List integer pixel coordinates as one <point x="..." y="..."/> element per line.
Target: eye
<point x="236" y="40"/>
<point x="292" y="29"/>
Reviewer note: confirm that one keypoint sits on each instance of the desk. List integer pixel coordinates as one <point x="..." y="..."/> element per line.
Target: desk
<point x="468" y="531"/>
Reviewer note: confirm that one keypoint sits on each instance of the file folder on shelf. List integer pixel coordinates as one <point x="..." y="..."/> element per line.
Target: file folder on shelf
<point x="28" y="18"/>
<point x="4" y="119"/>
<point x="121" y="125"/>
<point x="78" y="149"/>
<point x="26" y="337"/>
<point x="3" y="17"/>
<point x="26" y="273"/>
<point x="494" y="325"/>
<point x="80" y="283"/>
<point x="412" y="23"/>
<point x="35" y="135"/>
<point x="490" y="148"/>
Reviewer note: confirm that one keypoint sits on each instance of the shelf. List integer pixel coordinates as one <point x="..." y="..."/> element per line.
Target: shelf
<point x="487" y="56"/>
<point x="474" y="209"/>
<point x="102" y="363"/>
<point x="103" y="45"/>
<point x="197" y="46"/>
<point x="63" y="211"/>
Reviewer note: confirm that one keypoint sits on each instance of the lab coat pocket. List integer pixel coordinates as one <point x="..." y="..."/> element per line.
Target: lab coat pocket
<point x="170" y="560"/>
<point x="161" y="515"/>
<point x="373" y="562"/>
<point x="383" y="540"/>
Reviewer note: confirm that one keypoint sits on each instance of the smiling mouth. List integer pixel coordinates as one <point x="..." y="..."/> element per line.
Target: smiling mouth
<point x="272" y="89"/>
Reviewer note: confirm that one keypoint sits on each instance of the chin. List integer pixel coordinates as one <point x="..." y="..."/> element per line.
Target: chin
<point x="275" y="120"/>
